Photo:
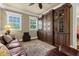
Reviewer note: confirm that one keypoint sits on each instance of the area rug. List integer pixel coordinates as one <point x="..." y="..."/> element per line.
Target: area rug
<point x="36" y="47"/>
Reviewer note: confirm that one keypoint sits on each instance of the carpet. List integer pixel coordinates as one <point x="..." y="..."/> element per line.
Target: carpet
<point x="36" y="47"/>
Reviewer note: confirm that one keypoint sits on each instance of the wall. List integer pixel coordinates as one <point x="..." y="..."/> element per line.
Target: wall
<point x="78" y="21"/>
<point x="77" y="24"/>
<point x="73" y="27"/>
<point x="0" y="19"/>
<point x="25" y="24"/>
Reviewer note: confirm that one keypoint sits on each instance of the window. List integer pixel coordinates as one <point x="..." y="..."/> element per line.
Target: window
<point x="40" y="24"/>
<point x="32" y="23"/>
<point x="14" y="20"/>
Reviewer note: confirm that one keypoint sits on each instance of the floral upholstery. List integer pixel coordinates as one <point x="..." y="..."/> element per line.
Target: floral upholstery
<point x="3" y="50"/>
<point x="14" y="46"/>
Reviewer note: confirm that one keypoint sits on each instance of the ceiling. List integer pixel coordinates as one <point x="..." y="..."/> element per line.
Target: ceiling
<point x="34" y="9"/>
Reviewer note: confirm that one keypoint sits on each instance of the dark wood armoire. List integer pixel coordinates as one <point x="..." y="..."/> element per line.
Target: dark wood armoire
<point x="62" y="25"/>
<point x="56" y="26"/>
<point x="46" y="33"/>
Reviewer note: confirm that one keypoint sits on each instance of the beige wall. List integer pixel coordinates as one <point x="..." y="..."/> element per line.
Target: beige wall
<point x="25" y="24"/>
<point x="73" y="26"/>
<point x="78" y="21"/>
<point x="0" y="19"/>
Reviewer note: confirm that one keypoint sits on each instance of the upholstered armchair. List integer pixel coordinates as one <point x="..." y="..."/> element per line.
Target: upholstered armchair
<point x="26" y="37"/>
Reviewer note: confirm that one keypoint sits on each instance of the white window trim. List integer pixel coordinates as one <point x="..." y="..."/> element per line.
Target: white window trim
<point x="8" y="13"/>
<point x="34" y="18"/>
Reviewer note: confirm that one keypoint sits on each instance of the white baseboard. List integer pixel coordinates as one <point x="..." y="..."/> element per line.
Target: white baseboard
<point x="71" y="46"/>
<point x="34" y="37"/>
<point x="31" y="38"/>
<point x="20" y="40"/>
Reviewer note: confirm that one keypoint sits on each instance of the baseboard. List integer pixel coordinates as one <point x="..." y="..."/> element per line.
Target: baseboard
<point x="71" y="46"/>
<point x="31" y="38"/>
<point x="34" y="37"/>
<point x="20" y="40"/>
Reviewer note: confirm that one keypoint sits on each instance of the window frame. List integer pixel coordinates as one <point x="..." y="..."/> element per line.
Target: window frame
<point x="8" y="13"/>
<point x="35" y="19"/>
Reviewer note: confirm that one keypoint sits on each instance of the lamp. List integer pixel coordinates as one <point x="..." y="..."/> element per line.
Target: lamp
<point x="7" y="29"/>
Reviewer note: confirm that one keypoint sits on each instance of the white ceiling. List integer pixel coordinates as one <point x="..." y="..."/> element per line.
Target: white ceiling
<point x="34" y="9"/>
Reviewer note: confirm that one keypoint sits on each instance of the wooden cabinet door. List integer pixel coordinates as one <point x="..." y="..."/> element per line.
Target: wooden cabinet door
<point x="49" y="27"/>
<point x="62" y="25"/>
<point x="56" y="27"/>
<point x="44" y="28"/>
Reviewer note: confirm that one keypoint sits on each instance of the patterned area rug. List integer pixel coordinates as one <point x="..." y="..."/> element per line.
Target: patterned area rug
<point x="36" y="47"/>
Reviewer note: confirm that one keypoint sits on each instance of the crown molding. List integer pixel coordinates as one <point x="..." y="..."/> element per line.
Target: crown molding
<point x="54" y="8"/>
<point x="51" y="9"/>
<point x="25" y="12"/>
<point x="17" y="10"/>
